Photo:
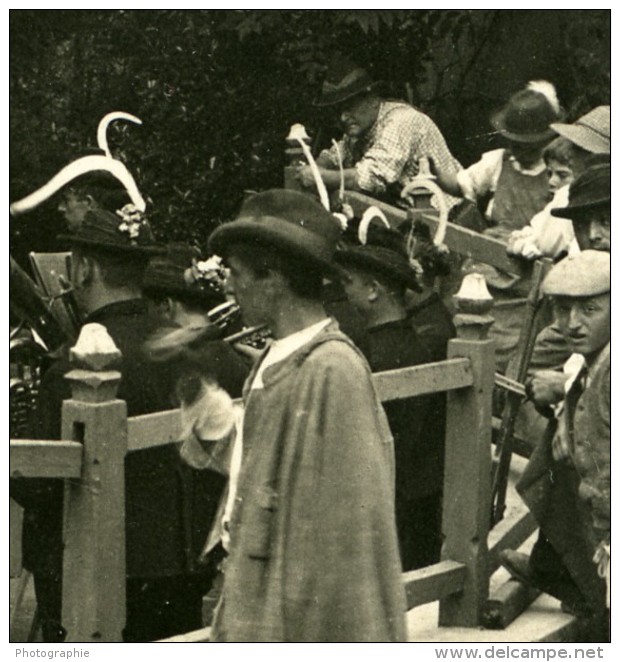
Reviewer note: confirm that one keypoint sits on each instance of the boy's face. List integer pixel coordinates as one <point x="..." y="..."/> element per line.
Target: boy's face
<point x="585" y="322"/>
<point x="559" y="175"/>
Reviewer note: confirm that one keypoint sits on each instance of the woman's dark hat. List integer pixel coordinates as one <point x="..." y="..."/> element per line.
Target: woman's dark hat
<point x="343" y="81"/>
<point x="527" y="115"/>
<point x="182" y="274"/>
<point x="590" y="190"/>
<point x="384" y="253"/>
<point x="288" y="220"/>
<point x="126" y="231"/>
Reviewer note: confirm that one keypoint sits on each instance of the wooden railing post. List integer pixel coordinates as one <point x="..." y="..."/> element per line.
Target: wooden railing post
<point x="467" y="474"/>
<point x="93" y="606"/>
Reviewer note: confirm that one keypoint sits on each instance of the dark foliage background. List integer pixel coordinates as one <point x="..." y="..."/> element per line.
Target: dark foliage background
<point x="218" y="89"/>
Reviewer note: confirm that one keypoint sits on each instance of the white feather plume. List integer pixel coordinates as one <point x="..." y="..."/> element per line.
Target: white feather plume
<point x="547" y="89"/>
<point x="368" y="216"/>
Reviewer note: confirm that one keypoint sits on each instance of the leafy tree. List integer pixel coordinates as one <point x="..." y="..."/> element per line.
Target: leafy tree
<point x="218" y="89"/>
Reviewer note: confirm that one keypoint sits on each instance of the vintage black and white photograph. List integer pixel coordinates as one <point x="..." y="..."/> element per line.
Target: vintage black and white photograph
<point x="310" y="327"/>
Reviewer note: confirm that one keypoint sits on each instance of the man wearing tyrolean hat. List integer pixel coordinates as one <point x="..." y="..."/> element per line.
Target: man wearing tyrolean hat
<point x="109" y="255"/>
<point x="377" y="275"/>
<point x="313" y="552"/>
<point x="383" y="140"/>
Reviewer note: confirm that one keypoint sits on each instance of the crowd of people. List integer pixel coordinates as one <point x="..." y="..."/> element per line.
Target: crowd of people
<point x="300" y="511"/>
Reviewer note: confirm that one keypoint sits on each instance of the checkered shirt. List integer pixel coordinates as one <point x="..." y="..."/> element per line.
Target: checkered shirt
<point x="390" y="151"/>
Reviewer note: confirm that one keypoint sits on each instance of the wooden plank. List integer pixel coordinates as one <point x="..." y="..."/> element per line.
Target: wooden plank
<point x="421" y="379"/>
<point x="93" y="596"/>
<point x="433" y="582"/>
<point x="195" y="637"/>
<point x="477" y="246"/>
<point x="151" y="430"/>
<point x="507" y="603"/>
<point x="510" y="533"/>
<point x="45" y="459"/>
<point x="458" y="239"/>
<point x="360" y="202"/>
<point x="467" y="483"/>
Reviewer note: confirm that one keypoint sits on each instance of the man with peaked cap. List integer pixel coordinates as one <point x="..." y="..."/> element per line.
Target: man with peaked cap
<point x="383" y="140"/>
<point x="377" y="275"/>
<point x="566" y="483"/>
<point x="109" y="255"/>
<point x="589" y="209"/>
<point x="313" y="552"/>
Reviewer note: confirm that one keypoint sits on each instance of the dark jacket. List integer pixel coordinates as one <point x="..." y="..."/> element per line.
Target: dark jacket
<point x="433" y="323"/>
<point x="418" y="428"/>
<point x="163" y="526"/>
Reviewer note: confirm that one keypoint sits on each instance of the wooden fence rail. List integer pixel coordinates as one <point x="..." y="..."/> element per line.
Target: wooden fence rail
<point x="97" y="434"/>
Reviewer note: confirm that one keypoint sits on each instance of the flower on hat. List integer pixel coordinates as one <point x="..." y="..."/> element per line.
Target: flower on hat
<point x="207" y="274"/>
<point x="132" y="221"/>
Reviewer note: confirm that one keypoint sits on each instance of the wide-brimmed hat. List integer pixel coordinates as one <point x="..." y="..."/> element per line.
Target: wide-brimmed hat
<point x="291" y="221"/>
<point x="344" y="80"/>
<point x="587" y="274"/>
<point x="527" y="116"/>
<point x="126" y="231"/>
<point x="591" y="131"/>
<point x="591" y="189"/>
<point x="384" y="253"/>
<point x="182" y="273"/>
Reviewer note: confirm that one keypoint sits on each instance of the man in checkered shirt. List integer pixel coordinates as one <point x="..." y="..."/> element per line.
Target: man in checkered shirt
<point x="383" y="140"/>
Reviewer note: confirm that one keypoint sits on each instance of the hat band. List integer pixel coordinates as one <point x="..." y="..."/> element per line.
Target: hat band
<point x="311" y="242"/>
<point x="349" y="79"/>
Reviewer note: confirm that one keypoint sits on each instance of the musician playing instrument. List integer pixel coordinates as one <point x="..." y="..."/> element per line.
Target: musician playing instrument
<point x="314" y="477"/>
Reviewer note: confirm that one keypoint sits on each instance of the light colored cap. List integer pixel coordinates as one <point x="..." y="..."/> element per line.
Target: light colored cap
<point x="591" y="132"/>
<point x="585" y="275"/>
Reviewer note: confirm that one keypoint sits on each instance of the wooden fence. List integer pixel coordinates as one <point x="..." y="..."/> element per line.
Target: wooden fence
<point x="97" y="434"/>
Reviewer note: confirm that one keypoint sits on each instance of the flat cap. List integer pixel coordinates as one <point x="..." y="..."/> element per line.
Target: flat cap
<point x="585" y="275"/>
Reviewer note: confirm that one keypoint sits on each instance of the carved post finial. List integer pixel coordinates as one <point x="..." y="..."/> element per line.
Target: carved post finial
<point x="94" y="356"/>
<point x="473" y="302"/>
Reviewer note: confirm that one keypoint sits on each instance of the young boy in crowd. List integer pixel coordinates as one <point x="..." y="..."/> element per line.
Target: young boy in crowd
<point x="566" y="158"/>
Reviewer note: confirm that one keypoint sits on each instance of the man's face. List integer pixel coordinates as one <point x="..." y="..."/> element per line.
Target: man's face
<point x="559" y="175"/>
<point x="73" y="207"/>
<point x="593" y="230"/>
<point x="356" y="285"/>
<point x="358" y="114"/>
<point x="585" y="322"/>
<point x="249" y="291"/>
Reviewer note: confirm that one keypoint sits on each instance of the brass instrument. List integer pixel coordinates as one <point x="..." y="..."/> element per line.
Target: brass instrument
<point x="228" y="315"/>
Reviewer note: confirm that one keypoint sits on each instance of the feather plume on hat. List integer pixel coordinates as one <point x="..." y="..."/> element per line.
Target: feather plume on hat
<point x="547" y="89"/>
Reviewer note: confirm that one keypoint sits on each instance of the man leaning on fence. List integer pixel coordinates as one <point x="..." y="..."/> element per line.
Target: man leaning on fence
<point x="313" y="553"/>
<point x="109" y="255"/>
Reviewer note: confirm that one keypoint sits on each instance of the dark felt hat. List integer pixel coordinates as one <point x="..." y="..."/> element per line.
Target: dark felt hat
<point x="590" y="190"/>
<point x="527" y="116"/>
<point x="288" y="220"/>
<point x="126" y="231"/>
<point x="343" y="81"/>
<point x="182" y="274"/>
<point x="384" y="253"/>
